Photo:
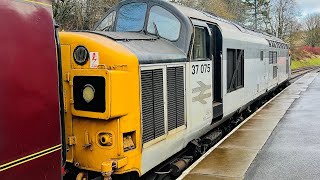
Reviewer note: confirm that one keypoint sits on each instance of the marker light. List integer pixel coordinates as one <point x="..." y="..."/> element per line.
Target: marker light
<point x="88" y="93"/>
<point x="81" y="55"/>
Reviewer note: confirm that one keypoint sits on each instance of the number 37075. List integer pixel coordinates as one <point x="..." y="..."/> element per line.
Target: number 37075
<point x="203" y="68"/>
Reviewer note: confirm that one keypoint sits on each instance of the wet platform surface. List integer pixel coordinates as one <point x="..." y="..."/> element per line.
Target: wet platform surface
<point x="281" y="141"/>
<point x="293" y="149"/>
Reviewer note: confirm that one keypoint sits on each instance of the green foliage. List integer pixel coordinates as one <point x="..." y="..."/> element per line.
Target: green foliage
<point x="258" y="14"/>
<point x="295" y="64"/>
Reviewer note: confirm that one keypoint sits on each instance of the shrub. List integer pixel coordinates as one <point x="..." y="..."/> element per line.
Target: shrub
<point x="312" y="50"/>
<point x="305" y="52"/>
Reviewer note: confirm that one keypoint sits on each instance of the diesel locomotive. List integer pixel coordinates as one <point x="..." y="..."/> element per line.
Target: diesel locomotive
<point x="153" y="76"/>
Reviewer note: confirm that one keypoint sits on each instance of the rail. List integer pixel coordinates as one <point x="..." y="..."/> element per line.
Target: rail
<point x="295" y="74"/>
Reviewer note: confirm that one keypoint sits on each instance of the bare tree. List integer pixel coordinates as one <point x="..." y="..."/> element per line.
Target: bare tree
<point x="284" y="15"/>
<point x="312" y="22"/>
<point x="62" y="11"/>
<point x="228" y="9"/>
<point x="238" y="9"/>
<point x="241" y="11"/>
<point x="80" y="14"/>
<point x="274" y="16"/>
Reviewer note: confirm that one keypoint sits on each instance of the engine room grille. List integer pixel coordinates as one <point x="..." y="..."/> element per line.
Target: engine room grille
<point x="152" y="104"/>
<point x="275" y="72"/>
<point x="175" y="93"/>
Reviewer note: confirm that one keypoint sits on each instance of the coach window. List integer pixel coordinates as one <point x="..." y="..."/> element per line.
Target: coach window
<point x="107" y="23"/>
<point x="131" y="17"/>
<point x="235" y="69"/>
<point x="167" y="25"/>
<point x="201" y="44"/>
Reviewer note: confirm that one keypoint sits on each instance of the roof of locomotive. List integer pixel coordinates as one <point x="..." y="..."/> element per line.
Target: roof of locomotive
<point x="223" y="23"/>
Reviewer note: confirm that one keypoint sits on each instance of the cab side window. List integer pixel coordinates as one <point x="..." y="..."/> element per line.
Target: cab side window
<point x="201" y="46"/>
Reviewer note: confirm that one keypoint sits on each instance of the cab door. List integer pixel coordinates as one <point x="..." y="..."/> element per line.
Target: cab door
<point x="201" y="73"/>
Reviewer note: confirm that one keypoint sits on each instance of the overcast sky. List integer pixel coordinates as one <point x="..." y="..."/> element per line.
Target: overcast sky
<point x="309" y="6"/>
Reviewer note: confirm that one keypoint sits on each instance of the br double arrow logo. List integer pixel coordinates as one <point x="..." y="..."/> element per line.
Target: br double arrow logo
<point x="202" y="93"/>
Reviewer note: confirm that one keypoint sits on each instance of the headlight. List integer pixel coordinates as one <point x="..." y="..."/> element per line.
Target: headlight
<point x="88" y="93"/>
<point x="81" y="55"/>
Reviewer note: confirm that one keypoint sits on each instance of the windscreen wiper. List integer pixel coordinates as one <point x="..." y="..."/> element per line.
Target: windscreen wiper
<point x="156" y="30"/>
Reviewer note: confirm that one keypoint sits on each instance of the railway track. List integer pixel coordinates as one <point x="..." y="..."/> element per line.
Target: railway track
<point x="295" y="74"/>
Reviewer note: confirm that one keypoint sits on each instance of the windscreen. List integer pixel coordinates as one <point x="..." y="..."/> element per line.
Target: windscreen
<point x="131" y="17"/>
<point x="167" y="25"/>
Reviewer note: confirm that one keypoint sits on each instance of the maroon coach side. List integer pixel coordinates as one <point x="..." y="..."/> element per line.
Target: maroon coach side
<point x="30" y="135"/>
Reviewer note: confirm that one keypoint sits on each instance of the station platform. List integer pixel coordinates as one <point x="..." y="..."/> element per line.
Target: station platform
<point x="280" y="141"/>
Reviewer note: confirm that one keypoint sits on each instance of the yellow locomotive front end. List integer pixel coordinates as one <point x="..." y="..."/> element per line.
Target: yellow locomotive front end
<point x="102" y="104"/>
<point x="125" y="93"/>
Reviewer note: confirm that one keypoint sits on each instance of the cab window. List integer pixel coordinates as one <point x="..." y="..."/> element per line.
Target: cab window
<point x="107" y="23"/>
<point x="131" y="17"/>
<point x="167" y="25"/>
<point x="201" y="44"/>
